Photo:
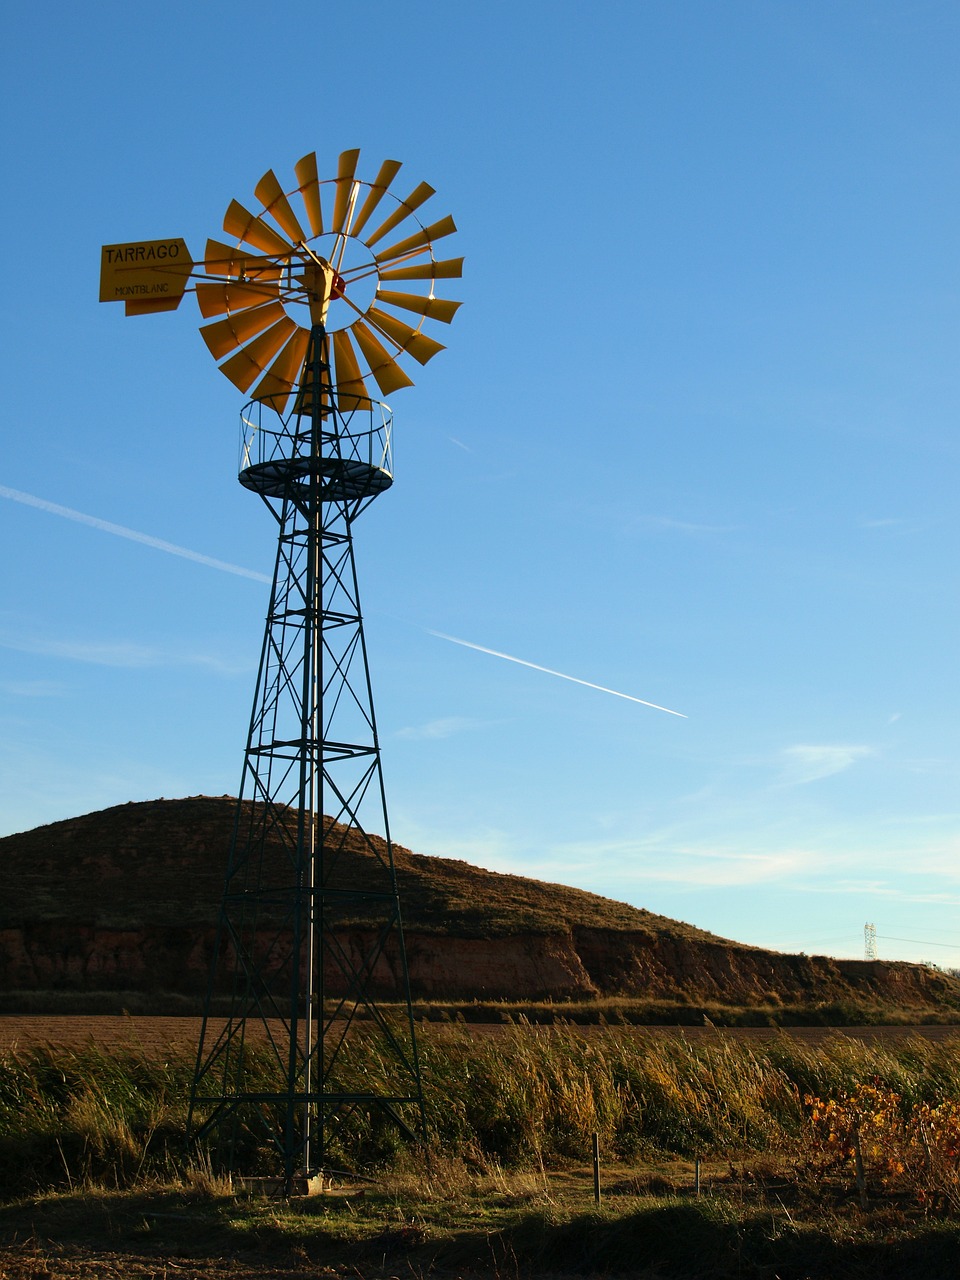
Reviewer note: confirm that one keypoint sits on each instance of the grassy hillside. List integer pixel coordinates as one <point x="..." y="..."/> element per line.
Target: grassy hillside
<point x="163" y="862"/>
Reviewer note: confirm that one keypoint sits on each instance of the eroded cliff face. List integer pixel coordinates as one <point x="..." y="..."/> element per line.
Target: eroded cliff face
<point x="576" y="965"/>
<point x="64" y="956"/>
<point x="127" y="900"/>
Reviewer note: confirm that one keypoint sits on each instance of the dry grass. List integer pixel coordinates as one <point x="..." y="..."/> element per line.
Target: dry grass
<point x="528" y="1098"/>
<point x="94" y="1180"/>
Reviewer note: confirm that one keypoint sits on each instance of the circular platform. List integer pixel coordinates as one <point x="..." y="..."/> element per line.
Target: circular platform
<point x="341" y="479"/>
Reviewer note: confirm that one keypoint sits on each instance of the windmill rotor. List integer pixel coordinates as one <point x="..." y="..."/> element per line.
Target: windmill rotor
<point x="342" y="252"/>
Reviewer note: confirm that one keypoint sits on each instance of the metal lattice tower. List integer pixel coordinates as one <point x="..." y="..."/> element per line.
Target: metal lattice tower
<point x="309" y="951"/>
<point x="310" y="940"/>
<point x="869" y="942"/>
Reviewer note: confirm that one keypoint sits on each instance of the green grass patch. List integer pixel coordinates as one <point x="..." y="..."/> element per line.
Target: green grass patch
<point x="454" y="1223"/>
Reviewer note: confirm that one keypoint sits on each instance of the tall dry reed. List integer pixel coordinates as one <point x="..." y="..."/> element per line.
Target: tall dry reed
<point x="524" y="1096"/>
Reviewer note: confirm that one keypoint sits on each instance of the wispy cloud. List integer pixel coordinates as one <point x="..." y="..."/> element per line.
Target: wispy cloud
<point x="807" y="763"/>
<point x="40" y="785"/>
<point x="620" y="870"/>
<point x="484" y="846"/>
<point x="534" y="666"/>
<point x="120" y="531"/>
<point x="895" y="524"/>
<point x="445" y="727"/>
<point x="682" y="526"/>
<point x="643" y="862"/>
<point x="727" y="871"/>
<point x="898" y="893"/>
<point x="31" y="688"/>
<point x="122" y="654"/>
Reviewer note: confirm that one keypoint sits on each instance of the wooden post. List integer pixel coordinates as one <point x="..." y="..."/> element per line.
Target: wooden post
<point x="858" y="1168"/>
<point x="596" y="1168"/>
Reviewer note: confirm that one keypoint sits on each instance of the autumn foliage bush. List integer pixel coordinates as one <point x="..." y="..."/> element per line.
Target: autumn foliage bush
<point x="889" y="1145"/>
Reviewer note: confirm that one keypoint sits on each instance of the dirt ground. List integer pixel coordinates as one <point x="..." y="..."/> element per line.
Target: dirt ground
<point x="163" y="1035"/>
<point x="39" y="1261"/>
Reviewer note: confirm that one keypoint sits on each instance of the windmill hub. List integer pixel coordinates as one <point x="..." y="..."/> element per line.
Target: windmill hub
<point x="320" y="283"/>
<point x="354" y="280"/>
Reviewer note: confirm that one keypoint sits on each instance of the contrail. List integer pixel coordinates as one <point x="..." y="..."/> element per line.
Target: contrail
<point x="120" y="531"/>
<point x="550" y="672"/>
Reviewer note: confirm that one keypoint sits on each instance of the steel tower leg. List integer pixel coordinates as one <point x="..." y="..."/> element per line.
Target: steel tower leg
<point x="310" y="939"/>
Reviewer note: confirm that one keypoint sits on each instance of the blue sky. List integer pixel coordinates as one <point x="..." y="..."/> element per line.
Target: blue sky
<point x="694" y="439"/>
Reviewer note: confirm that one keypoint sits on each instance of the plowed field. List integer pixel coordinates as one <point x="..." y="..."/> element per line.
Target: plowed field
<point x="161" y="1036"/>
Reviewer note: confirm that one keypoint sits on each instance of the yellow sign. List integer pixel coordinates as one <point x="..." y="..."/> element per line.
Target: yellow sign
<point x="145" y="271"/>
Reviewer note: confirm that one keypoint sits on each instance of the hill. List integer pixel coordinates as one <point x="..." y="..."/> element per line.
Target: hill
<point x="125" y="901"/>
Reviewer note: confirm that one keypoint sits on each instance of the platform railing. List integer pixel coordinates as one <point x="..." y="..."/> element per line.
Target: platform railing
<point x="356" y="430"/>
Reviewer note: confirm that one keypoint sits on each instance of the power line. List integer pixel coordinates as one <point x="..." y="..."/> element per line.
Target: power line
<point x="921" y="942"/>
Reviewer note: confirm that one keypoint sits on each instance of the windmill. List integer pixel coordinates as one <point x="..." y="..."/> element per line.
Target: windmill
<point x="324" y="289"/>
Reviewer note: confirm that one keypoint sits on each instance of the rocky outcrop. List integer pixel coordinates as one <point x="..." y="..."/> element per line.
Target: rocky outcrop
<point x="127" y="901"/>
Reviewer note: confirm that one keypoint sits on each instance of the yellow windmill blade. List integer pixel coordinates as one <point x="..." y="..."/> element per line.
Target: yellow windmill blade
<point x="347" y="377"/>
<point x="346" y="191"/>
<point x="345" y="361"/>
<point x="378" y="189"/>
<point x="387" y="373"/>
<point x="270" y="194"/>
<point x="398" y="331"/>
<point x="413" y="201"/>
<point x="285" y="373"/>
<point x="224" y="336"/>
<point x="246" y="226"/>
<point x="224" y="260"/>
<point x="422" y="238"/>
<point x="449" y="269"/>
<point x="435" y="308"/>
<point x="306" y="171"/>
<point x="218" y="299"/>
<point x="253" y="360"/>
